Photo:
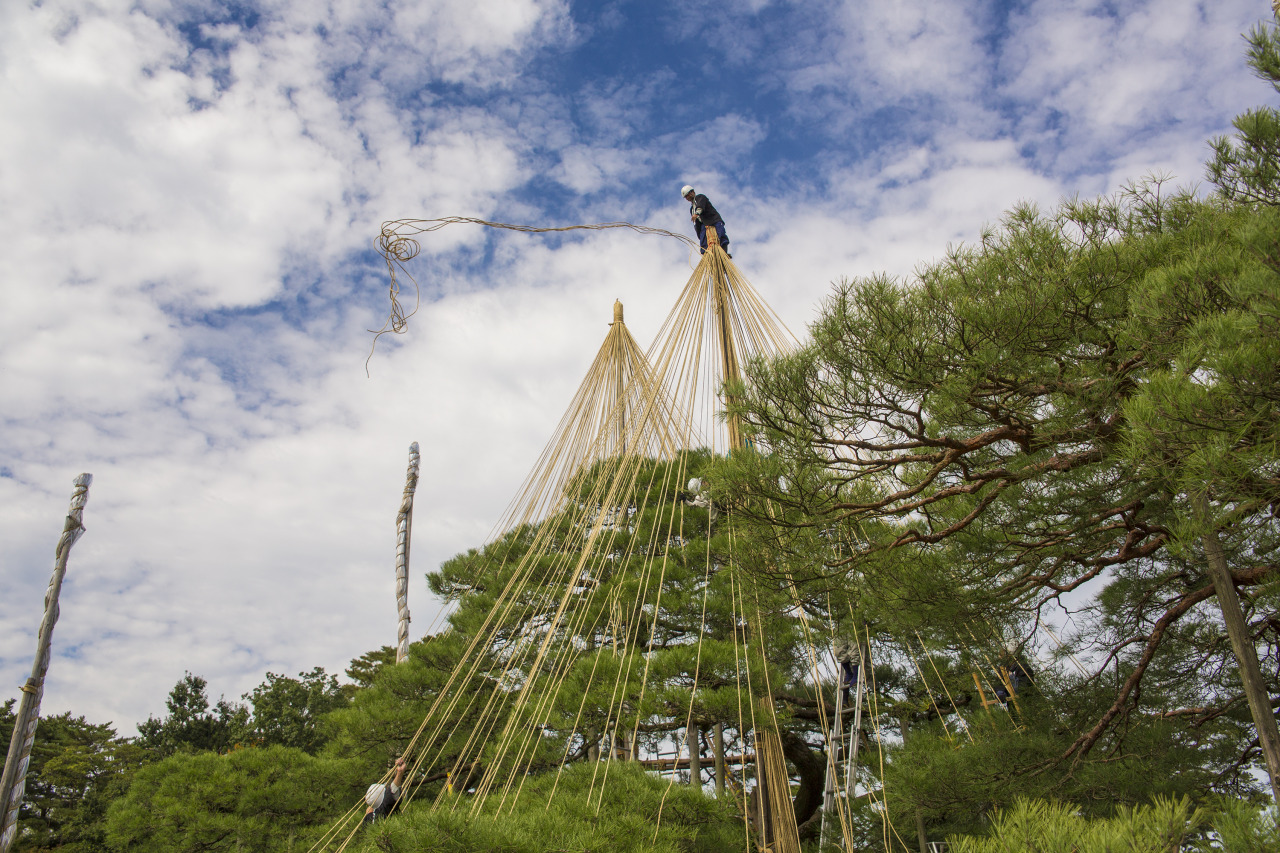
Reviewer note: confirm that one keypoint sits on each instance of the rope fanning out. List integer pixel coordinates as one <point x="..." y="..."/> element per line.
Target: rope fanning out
<point x="637" y="422"/>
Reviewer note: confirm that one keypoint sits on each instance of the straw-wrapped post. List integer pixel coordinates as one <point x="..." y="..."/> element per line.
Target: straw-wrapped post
<point x="14" y="781"/>
<point x="404" y="532"/>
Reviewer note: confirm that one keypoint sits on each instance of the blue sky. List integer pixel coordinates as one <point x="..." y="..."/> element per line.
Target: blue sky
<point x="190" y="192"/>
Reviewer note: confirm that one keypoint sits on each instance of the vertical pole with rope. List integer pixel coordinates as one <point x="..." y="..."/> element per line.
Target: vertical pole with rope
<point x="728" y="355"/>
<point x="404" y="533"/>
<point x="620" y="385"/>
<point x="776" y="818"/>
<point x="14" y="781"/>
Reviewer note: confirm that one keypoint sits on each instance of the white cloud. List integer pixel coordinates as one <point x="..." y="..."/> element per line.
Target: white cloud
<point x="185" y="298"/>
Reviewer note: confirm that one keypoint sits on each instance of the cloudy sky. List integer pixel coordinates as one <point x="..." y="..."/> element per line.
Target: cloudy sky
<point x="189" y="194"/>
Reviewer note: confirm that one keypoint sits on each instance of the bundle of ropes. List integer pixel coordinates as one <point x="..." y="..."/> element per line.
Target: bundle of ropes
<point x="578" y="582"/>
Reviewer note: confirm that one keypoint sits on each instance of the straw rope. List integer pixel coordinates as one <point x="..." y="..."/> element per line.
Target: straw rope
<point x="626" y="435"/>
<point x="398" y="245"/>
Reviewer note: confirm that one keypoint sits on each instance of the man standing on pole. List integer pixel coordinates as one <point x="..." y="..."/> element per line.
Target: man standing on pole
<point x="704" y="216"/>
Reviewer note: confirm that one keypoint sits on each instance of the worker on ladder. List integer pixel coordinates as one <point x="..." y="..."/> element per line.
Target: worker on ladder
<point x="704" y="216"/>
<point x="850" y="655"/>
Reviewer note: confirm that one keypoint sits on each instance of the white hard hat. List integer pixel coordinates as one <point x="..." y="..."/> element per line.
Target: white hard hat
<point x="373" y="796"/>
<point x="685" y="190"/>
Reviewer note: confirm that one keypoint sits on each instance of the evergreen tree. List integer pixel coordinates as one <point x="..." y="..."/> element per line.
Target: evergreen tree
<point x="191" y="724"/>
<point x="1029" y="422"/>
<point x="77" y="768"/>
<point x="266" y="800"/>
<point x="289" y="711"/>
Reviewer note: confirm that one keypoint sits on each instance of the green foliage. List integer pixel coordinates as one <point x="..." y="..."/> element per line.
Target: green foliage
<point x="365" y="668"/>
<point x="77" y="768"/>
<point x="191" y="725"/>
<point x="259" y="800"/>
<point x="1167" y="825"/>
<point x="1247" y="168"/>
<point x="1024" y="424"/>
<point x="1241" y="827"/>
<point x="1045" y="827"/>
<point x="954" y="454"/>
<point x="585" y="815"/>
<point x="289" y="711"/>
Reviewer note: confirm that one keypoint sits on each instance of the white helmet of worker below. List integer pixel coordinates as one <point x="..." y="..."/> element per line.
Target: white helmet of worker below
<point x="685" y="190"/>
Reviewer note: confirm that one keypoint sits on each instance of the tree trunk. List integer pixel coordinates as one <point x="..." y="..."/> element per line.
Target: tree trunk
<point x="812" y="771"/>
<point x="1242" y="645"/>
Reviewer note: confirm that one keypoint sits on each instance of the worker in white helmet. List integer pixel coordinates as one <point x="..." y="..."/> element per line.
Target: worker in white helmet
<point x="704" y="216"/>
<point x="381" y="799"/>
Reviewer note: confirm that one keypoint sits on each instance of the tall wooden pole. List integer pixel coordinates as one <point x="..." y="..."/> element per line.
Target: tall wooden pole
<point x="404" y="533"/>
<point x="728" y="354"/>
<point x="14" y="781"/>
<point x="619" y="379"/>
<point x="717" y="741"/>
<point x="694" y="736"/>
<point x="777" y="819"/>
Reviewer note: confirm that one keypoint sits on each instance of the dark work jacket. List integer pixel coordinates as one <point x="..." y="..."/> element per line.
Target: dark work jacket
<point x="390" y="796"/>
<point x="704" y="210"/>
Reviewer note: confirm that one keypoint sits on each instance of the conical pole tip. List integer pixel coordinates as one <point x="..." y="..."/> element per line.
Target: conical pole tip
<point x="617" y="311"/>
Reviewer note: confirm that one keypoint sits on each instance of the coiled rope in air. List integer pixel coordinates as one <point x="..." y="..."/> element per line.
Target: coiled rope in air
<point x="397" y="245"/>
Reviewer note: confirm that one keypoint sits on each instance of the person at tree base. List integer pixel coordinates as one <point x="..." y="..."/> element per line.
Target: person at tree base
<point x="704" y="216"/>
<point x="380" y="798"/>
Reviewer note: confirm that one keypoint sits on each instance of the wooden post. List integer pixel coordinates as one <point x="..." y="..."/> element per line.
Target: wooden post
<point x="13" y="783"/>
<point x="1242" y="644"/>
<point x="981" y="694"/>
<point x="404" y="533"/>
<point x="728" y="354"/>
<point x="717" y="744"/>
<point x="777" y="819"/>
<point x="694" y="736"/>
<point x="620" y="385"/>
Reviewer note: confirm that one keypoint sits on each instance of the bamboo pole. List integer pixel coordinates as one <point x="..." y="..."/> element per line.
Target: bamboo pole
<point x="404" y="532"/>
<point x="717" y="741"/>
<point x="14" y="781"/>
<point x="694" y="736"/>
<point x="777" y="823"/>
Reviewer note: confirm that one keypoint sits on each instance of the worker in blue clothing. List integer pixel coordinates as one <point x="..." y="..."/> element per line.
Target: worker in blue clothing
<point x="704" y="216"/>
